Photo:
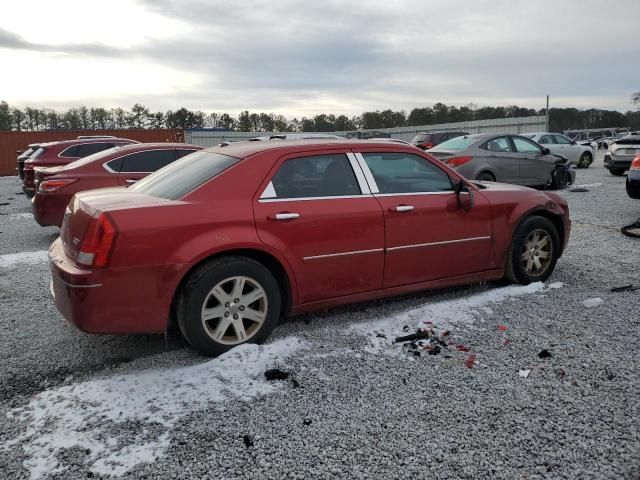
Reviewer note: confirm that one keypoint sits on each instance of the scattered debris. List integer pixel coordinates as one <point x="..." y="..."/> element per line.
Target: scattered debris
<point x="4" y="204"/>
<point x="380" y="335"/>
<point x="248" y="441"/>
<point x="593" y="302"/>
<point x="625" y="288"/>
<point x="276" y="374"/>
<point x="560" y="373"/>
<point x="471" y="359"/>
<point x="307" y="422"/>
<point x="503" y="328"/>
<point x="579" y="190"/>
<point x="506" y="342"/>
<point x="425" y="340"/>
<point x="295" y="383"/>
<point x="406" y="328"/>
<point x="610" y="374"/>
<point x="545" y="354"/>
<point x="419" y="335"/>
<point x="462" y="348"/>
<point x="524" y="373"/>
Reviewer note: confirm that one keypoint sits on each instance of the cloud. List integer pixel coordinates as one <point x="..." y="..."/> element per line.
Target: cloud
<point x="301" y="58"/>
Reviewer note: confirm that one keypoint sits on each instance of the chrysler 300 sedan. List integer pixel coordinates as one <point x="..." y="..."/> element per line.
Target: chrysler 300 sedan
<point x="226" y="240"/>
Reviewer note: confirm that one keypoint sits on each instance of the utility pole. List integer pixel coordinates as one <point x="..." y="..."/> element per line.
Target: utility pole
<point x="546" y="120"/>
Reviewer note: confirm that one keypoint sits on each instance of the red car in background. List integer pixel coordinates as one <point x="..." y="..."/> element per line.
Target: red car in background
<point x="118" y="166"/>
<point x="53" y="154"/>
<point x="226" y="240"/>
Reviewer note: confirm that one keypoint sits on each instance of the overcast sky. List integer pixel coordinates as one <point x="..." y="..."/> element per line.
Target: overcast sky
<point x="301" y="58"/>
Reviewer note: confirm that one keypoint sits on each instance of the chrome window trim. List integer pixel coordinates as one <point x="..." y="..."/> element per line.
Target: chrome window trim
<point x="431" y="244"/>
<point x="357" y="169"/>
<point x="304" y="199"/>
<point x="444" y="192"/>
<point x="373" y="186"/>
<point x="343" y="254"/>
<point x="111" y="170"/>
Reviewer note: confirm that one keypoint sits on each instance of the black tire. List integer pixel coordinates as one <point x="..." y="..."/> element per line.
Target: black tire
<point x="486" y="177"/>
<point x="559" y="178"/>
<point x="198" y="288"/>
<point x="618" y="172"/>
<point x="586" y="159"/>
<point x="515" y="271"/>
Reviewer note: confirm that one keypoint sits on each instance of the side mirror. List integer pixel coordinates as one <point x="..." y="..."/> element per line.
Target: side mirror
<point x="465" y="196"/>
<point x="545" y="151"/>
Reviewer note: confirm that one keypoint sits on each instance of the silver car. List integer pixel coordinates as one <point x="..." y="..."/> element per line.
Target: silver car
<point x="505" y="158"/>
<point x="578" y="153"/>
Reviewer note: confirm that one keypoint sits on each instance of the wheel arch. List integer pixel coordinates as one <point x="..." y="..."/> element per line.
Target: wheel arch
<point x="554" y="218"/>
<point x="283" y="276"/>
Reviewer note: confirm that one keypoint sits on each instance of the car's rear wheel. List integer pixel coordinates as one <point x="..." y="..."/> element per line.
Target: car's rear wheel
<point x="585" y="160"/>
<point x="227" y="302"/>
<point x="534" y="251"/>
<point x="618" y="172"/>
<point x="486" y="177"/>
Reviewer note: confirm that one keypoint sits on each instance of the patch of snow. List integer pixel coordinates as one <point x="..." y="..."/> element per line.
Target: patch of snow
<point x="556" y="285"/>
<point x="593" y="302"/>
<point x="84" y="414"/>
<point x="20" y="216"/>
<point x="29" y="258"/>
<point x="587" y="185"/>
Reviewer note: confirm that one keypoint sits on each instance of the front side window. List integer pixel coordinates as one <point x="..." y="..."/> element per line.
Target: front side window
<point x="498" y="144"/>
<point x="525" y="146"/>
<point x="406" y="173"/>
<point x="562" y="140"/>
<point x="316" y="176"/>
<point x="148" y="161"/>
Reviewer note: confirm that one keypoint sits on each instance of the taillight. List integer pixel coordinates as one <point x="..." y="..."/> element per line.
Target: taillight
<point x="457" y="161"/>
<point x="53" y="185"/>
<point x="426" y="146"/>
<point x="97" y="243"/>
<point x="635" y="165"/>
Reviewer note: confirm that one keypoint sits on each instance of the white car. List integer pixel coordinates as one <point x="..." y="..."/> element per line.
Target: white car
<point x="578" y="154"/>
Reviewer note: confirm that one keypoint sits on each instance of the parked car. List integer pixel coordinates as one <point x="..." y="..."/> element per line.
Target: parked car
<point x="633" y="179"/>
<point x="505" y="158"/>
<point x="228" y="239"/>
<point x="427" y="140"/>
<point x="621" y="153"/>
<point x="53" y="154"/>
<point x="118" y="166"/>
<point x="368" y="135"/>
<point x="579" y="154"/>
<point x="296" y="136"/>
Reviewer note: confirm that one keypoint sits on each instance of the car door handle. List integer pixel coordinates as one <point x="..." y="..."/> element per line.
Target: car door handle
<point x="285" y="216"/>
<point x="130" y="181"/>
<point x="402" y="208"/>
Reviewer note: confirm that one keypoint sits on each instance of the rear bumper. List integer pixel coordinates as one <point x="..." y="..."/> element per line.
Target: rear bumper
<point x="48" y="210"/>
<point x="617" y="163"/>
<point x="123" y="300"/>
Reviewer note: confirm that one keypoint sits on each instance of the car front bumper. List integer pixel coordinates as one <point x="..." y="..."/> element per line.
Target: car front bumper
<point x="633" y="184"/>
<point x="119" y="300"/>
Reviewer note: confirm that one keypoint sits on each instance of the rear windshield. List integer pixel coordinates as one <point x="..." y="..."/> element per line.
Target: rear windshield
<point x="456" y="144"/>
<point x="183" y="176"/>
<point x="37" y="153"/>
<point x="421" y="137"/>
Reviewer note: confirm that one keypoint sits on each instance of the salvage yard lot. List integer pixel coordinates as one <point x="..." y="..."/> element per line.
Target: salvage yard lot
<point x="355" y="404"/>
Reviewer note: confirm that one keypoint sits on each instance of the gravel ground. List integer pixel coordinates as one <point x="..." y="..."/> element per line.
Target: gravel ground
<point x="355" y="405"/>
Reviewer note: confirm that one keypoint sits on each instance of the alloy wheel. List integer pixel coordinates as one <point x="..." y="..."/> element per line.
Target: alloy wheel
<point x="234" y="310"/>
<point x="537" y="253"/>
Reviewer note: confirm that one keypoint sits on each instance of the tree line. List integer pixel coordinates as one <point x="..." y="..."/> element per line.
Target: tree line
<point x="139" y="116"/>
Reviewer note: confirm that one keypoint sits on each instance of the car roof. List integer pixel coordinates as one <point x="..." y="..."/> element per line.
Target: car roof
<point x="245" y="149"/>
<point x="85" y="140"/>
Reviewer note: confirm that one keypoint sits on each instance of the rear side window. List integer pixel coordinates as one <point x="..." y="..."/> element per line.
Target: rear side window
<point x="148" y="161"/>
<point x="562" y="140"/>
<point x="91" y="148"/>
<point x="184" y="175"/>
<point x="456" y="144"/>
<point x="317" y="176"/>
<point x="525" y="146"/>
<point x="406" y="173"/>
<point x="70" y="152"/>
<point x="546" y="140"/>
<point x="498" y="144"/>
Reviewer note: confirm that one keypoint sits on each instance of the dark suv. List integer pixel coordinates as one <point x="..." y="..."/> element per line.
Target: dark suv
<point x="53" y="154"/>
<point x="427" y="140"/>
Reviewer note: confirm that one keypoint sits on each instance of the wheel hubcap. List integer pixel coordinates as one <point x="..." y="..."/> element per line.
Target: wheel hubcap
<point x="234" y="310"/>
<point x="537" y="253"/>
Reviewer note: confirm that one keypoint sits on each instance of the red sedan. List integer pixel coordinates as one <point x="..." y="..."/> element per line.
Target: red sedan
<point x="120" y="166"/>
<point x="228" y="239"/>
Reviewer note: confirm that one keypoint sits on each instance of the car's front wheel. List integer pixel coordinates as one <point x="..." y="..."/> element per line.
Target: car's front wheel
<point x="585" y="160"/>
<point x="227" y="302"/>
<point x="534" y="251"/>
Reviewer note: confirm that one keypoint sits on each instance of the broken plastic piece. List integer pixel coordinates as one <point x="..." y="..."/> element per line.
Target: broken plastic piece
<point x="545" y="354"/>
<point x="307" y="421"/>
<point x="625" y="288"/>
<point x="419" y="335"/>
<point x="462" y="348"/>
<point x="593" y="302"/>
<point x="470" y="360"/>
<point x="248" y="441"/>
<point x="524" y="373"/>
<point x="276" y="374"/>
<point x="503" y="328"/>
